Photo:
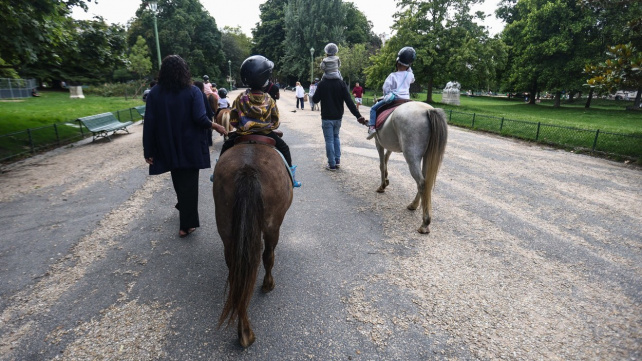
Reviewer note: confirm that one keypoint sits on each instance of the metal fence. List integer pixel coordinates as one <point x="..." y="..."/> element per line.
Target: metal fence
<point x="16" y="88"/>
<point x="595" y="141"/>
<point x="33" y="140"/>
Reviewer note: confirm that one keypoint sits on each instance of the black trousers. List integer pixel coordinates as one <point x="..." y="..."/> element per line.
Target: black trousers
<point x="186" y="186"/>
<point x="280" y="145"/>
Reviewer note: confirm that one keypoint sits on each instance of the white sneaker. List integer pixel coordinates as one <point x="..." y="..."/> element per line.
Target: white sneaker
<point x="371" y="133"/>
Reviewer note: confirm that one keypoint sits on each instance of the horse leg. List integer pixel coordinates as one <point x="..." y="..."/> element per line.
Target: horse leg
<point x="415" y="166"/>
<point x="383" y="167"/>
<point x="271" y="239"/>
<point x="245" y="333"/>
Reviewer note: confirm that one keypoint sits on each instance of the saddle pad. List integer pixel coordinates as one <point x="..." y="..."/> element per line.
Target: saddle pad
<point x="384" y="112"/>
<point x="255" y="138"/>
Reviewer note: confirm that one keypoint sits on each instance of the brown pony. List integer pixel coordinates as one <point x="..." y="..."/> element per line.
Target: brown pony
<point x="252" y="192"/>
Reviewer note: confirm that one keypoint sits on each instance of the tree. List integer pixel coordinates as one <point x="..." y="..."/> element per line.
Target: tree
<point x="269" y="33"/>
<point x="309" y="24"/>
<point x="139" y="62"/>
<point x="236" y="47"/>
<point x="357" y="27"/>
<point x="549" y="42"/>
<point x="426" y="26"/>
<point x="184" y="28"/>
<point x="622" y="70"/>
<point x="353" y="62"/>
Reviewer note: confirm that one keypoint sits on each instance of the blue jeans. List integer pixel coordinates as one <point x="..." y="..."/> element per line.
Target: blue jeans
<point x="299" y="100"/>
<point x="332" y="142"/>
<point x="373" y="112"/>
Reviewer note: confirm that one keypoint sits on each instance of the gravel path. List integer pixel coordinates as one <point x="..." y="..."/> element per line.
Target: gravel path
<point x="534" y="253"/>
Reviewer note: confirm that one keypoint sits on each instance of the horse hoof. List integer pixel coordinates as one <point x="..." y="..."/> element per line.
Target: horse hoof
<point x="412" y="207"/>
<point x="267" y="287"/>
<point x="423" y="230"/>
<point x="381" y="190"/>
<point x="247" y="341"/>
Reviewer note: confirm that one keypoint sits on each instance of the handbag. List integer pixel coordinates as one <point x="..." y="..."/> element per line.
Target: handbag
<point x="305" y="98"/>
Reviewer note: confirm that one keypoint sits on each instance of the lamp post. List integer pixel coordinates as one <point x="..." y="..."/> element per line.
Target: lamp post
<point x="311" y="65"/>
<point x="229" y="66"/>
<point x="153" y="6"/>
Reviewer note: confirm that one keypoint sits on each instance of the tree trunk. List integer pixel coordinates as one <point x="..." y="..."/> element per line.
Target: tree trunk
<point x="429" y="91"/>
<point x="571" y="97"/>
<point x="636" y="102"/>
<point x="558" y="95"/>
<point x="588" y="100"/>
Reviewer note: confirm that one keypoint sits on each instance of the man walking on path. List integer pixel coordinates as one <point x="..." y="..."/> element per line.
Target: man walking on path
<point x="357" y="92"/>
<point x="333" y="93"/>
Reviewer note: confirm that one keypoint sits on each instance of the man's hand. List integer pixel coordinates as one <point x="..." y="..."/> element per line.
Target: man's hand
<point x="219" y="129"/>
<point x="362" y="120"/>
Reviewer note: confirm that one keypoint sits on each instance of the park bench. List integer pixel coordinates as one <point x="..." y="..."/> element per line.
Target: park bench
<point x="101" y="124"/>
<point x="141" y="110"/>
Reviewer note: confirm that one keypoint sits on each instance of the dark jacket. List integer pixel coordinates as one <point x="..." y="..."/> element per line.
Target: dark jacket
<point x="333" y="93"/>
<point x="174" y="131"/>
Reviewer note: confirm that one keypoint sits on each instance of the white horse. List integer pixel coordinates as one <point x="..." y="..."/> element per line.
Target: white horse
<point x="420" y="132"/>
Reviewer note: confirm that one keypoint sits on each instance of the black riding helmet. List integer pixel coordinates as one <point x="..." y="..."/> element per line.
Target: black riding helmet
<point x="206" y="78"/>
<point x="222" y="93"/>
<point x="256" y="71"/>
<point x="406" y="56"/>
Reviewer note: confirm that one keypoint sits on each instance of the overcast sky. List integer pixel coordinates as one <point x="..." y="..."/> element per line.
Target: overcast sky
<point x="227" y="13"/>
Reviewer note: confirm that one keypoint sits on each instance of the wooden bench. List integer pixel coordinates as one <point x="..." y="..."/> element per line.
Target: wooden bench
<point x="101" y="124"/>
<point x="141" y="111"/>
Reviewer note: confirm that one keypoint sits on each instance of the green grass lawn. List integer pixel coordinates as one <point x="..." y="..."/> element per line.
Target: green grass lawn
<point x="56" y="107"/>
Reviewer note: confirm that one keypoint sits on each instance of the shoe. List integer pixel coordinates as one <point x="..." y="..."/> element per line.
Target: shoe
<point x="338" y="162"/>
<point x="295" y="182"/>
<point x="371" y="132"/>
<point x="184" y="233"/>
<point x="328" y="167"/>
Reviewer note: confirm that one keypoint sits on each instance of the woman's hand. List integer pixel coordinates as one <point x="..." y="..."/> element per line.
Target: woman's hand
<point x="219" y="129"/>
<point x="149" y="160"/>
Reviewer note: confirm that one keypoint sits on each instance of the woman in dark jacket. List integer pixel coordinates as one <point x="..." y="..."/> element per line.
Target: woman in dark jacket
<point x="175" y="136"/>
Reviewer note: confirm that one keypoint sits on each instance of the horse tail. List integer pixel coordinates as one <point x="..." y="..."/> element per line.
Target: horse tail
<point x="226" y="121"/>
<point x="248" y="215"/>
<point x="434" y="154"/>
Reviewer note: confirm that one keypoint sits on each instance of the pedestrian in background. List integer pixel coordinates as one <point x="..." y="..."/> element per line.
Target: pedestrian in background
<point x="313" y="88"/>
<point x="300" y="94"/>
<point x="333" y="93"/>
<point x="174" y="136"/>
<point x="357" y="92"/>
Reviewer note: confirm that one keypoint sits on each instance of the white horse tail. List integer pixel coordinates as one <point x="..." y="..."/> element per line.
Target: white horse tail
<point x="434" y="153"/>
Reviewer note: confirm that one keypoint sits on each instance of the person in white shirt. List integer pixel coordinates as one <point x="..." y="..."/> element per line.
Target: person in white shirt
<point x="313" y="88"/>
<point x="397" y="83"/>
<point x="223" y="102"/>
<point x="300" y="94"/>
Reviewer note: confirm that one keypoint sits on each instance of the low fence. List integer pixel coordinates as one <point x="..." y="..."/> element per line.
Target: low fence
<point x="33" y="140"/>
<point x="595" y="141"/>
<point x="16" y="88"/>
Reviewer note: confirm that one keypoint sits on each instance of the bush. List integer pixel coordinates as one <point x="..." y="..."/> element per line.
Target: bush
<point x="114" y="89"/>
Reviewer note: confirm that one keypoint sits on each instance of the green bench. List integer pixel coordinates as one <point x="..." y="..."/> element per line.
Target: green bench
<point x="101" y="124"/>
<point x="141" y="110"/>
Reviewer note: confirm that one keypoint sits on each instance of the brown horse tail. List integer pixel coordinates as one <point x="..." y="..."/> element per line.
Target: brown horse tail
<point x="434" y="154"/>
<point x="246" y="251"/>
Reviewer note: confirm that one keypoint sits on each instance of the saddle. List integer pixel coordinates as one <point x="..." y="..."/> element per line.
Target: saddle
<point x="384" y="111"/>
<point x="262" y="139"/>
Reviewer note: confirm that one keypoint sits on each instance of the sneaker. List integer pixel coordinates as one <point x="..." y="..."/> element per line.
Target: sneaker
<point x="371" y="132"/>
<point x="338" y="164"/>
<point x="328" y="167"/>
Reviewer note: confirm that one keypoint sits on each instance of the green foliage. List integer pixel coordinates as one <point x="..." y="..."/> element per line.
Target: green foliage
<point x="357" y="28"/>
<point x="236" y="47"/>
<point x="139" y="61"/>
<point x="269" y="34"/>
<point x="309" y="24"/>
<point x="125" y="90"/>
<point x="184" y="28"/>
<point x="621" y="71"/>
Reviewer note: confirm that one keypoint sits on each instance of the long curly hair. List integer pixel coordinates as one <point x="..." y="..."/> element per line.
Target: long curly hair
<point x="174" y="74"/>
